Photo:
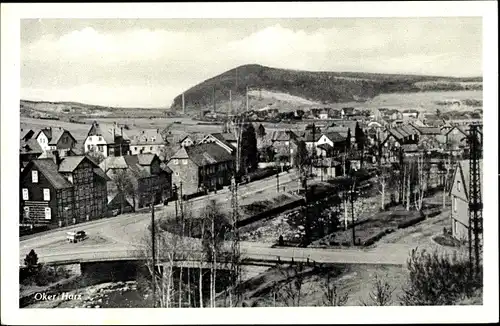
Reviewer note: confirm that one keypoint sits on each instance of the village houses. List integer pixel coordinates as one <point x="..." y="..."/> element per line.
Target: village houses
<point x="151" y="181"/>
<point x="51" y="139"/>
<point x="201" y="167"/>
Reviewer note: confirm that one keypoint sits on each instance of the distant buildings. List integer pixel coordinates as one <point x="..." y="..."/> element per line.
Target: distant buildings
<point x="62" y="191"/>
<point x="150" y="180"/>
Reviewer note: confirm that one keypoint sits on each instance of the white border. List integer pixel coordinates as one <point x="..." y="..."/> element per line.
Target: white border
<point x="10" y="83"/>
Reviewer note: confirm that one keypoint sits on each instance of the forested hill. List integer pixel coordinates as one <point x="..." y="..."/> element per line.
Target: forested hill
<point x="322" y="87"/>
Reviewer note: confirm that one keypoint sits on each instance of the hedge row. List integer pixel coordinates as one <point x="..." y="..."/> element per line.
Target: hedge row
<point x="411" y="221"/>
<point x="371" y="240"/>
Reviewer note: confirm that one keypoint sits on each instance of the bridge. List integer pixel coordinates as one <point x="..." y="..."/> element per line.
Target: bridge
<point x="251" y="253"/>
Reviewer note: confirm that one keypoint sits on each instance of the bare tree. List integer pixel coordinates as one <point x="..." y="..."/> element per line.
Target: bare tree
<point x="381" y="294"/>
<point x="292" y="292"/>
<point x="124" y="186"/>
<point x="332" y="296"/>
<point x="214" y="222"/>
<point x="421" y="184"/>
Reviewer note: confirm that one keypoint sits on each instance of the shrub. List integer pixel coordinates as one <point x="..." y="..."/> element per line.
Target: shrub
<point x="436" y="279"/>
<point x="410" y="222"/>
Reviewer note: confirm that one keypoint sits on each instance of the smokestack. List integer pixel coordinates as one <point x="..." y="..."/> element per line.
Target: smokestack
<point x="183" y="104"/>
<point x="214" y="99"/>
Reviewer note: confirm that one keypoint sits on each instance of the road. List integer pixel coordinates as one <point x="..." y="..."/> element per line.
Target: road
<point x="128" y="229"/>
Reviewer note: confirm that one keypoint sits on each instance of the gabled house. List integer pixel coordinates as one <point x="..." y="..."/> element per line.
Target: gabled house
<point x="111" y="142"/>
<point x="62" y="191"/>
<point x="148" y="141"/>
<point x="186" y="141"/>
<point x="29" y="148"/>
<point x="323" y="115"/>
<point x="51" y="139"/>
<point x="347" y="112"/>
<point x="152" y="181"/>
<point x="284" y="143"/>
<point x="201" y="167"/>
<point x="456" y="139"/>
<point x="334" y="113"/>
<point x="460" y="196"/>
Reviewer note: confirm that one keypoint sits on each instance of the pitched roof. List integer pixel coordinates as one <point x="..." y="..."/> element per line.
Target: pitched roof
<point x="107" y="134"/>
<point x="56" y="135"/>
<point x="148" y="136"/>
<point x="205" y="154"/>
<point x="335" y="136"/>
<point x="310" y="136"/>
<point x="113" y="162"/>
<point x="427" y="130"/>
<point x="145" y="159"/>
<point x="342" y="131"/>
<point x="138" y="170"/>
<point x="464" y="167"/>
<point x="70" y="163"/>
<point x="49" y="169"/>
<point x="100" y="173"/>
<point x="30" y="146"/>
<point x="221" y="139"/>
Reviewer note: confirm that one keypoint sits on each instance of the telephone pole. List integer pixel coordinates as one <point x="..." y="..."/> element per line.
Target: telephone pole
<point x="475" y="198"/>
<point x="153" y="254"/>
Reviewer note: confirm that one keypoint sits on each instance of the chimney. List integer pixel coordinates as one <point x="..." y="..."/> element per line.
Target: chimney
<point x="56" y="158"/>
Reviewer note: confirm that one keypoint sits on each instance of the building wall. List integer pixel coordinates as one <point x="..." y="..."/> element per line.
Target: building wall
<point x="185" y="171"/>
<point x="146" y="148"/>
<point x="92" y="142"/>
<point x="90" y="193"/>
<point x="459" y="217"/>
<point x="66" y="141"/>
<point x="43" y="141"/>
<point x="36" y="201"/>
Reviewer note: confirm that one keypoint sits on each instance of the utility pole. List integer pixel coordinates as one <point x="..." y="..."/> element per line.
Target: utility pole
<point x="176" y="203"/>
<point x="153" y="254"/>
<point x="277" y="181"/>
<point x="352" y="216"/>
<point x="475" y="198"/>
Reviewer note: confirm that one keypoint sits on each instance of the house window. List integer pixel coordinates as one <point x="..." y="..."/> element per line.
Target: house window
<point x="459" y="186"/>
<point x="151" y="148"/>
<point x="25" y="194"/>
<point x="176" y="162"/>
<point x="46" y="194"/>
<point x="455" y="204"/>
<point x="135" y="148"/>
<point x="176" y="174"/>
<point x="184" y="161"/>
<point x="34" y="176"/>
<point x="100" y="138"/>
<point x="88" y="147"/>
<point x="48" y="214"/>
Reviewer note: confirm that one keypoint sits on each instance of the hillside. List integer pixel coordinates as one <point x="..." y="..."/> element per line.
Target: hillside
<point x="62" y="110"/>
<point x="320" y="87"/>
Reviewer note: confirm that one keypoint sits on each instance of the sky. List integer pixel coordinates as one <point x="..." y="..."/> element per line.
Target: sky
<point x="147" y="62"/>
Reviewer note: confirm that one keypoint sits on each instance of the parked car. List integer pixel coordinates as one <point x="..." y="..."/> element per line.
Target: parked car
<point x="77" y="236"/>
